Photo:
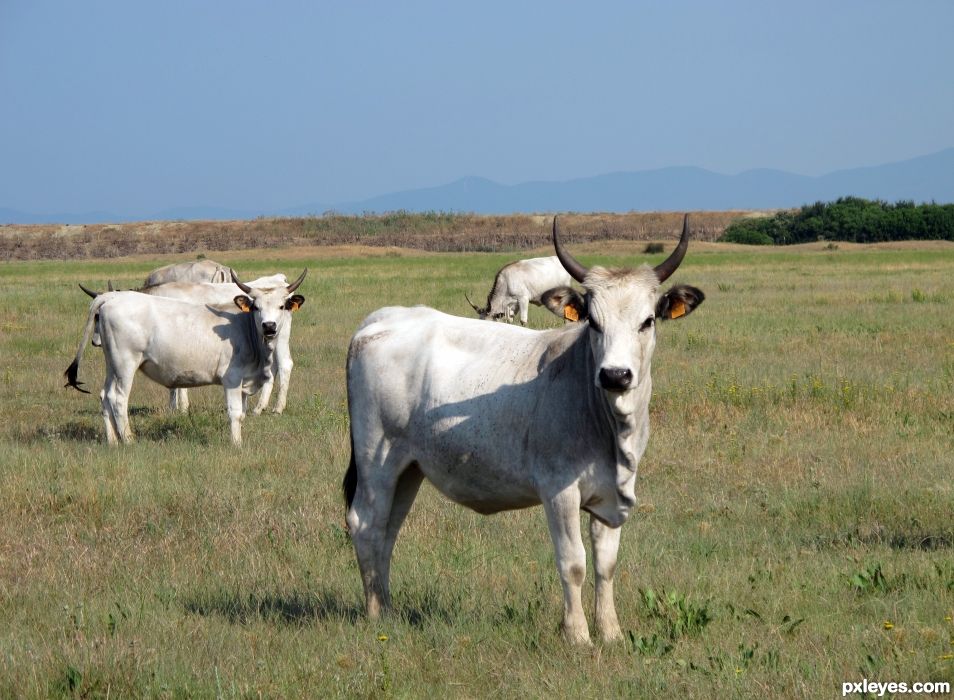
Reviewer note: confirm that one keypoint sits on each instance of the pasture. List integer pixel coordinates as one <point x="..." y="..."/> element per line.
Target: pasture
<point x="794" y="527"/>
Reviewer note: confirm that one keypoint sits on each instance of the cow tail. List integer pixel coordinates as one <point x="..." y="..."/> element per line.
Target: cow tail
<point x="72" y="371"/>
<point x="350" y="483"/>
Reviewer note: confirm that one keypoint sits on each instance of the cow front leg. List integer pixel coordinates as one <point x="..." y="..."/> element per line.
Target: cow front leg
<point x="283" y="371"/>
<point x="605" y="541"/>
<point x="524" y="310"/>
<point x="235" y="399"/>
<point x="563" y="519"/>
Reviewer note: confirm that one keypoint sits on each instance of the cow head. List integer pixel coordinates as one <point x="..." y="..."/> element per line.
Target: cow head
<point x="270" y="306"/>
<point x="622" y="307"/>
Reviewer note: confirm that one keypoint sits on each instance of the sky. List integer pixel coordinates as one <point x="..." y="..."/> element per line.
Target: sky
<point x="134" y="107"/>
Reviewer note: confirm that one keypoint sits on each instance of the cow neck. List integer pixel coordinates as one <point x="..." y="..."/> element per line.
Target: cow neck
<point x="616" y="432"/>
<point x="260" y="351"/>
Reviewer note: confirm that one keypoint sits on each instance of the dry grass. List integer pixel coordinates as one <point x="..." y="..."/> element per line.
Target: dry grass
<point x="434" y="232"/>
<point x="793" y="531"/>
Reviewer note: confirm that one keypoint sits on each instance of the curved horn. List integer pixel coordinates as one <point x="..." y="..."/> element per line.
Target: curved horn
<point x="238" y="283"/>
<point x="669" y="265"/>
<point x="294" y="285"/>
<point x="109" y="285"/>
<point x="576" y="270"/>
<point x="90" y="292"/>
<point x="472" y="304"/>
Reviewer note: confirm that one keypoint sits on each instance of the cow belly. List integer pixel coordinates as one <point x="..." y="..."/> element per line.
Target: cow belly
<point x="481" y="487"/>
<point x="180" y="378"/>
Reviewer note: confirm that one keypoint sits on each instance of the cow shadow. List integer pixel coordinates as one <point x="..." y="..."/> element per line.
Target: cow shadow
<point x="285" y="609"/>
<point x="297" y="608"/>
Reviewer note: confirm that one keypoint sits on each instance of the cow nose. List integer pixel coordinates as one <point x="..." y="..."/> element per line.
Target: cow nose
<point x="269" y="327"/>
<point x="615" y="378"/>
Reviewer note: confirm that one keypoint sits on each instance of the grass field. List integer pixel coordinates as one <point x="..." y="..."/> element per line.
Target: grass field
<point x="795" y="526"/>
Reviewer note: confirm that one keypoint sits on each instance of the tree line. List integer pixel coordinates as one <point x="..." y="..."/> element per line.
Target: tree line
<point x="847" y="219"/>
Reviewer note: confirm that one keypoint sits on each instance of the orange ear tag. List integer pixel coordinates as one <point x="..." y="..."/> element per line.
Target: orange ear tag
<point x="570" y="313"/>
<point x="678" y="309"/>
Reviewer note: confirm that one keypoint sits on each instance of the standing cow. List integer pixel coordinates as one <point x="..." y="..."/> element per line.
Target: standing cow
<point x="222" y="295"/>
<point x="503" y="417"/>
<point x="184" y="344"/>
<point x="519" y="284"/>
<point x="195" y="271"/>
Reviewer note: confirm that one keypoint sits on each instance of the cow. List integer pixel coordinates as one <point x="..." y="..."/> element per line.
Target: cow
<point x="519" y="284"/>
<point x="503" y="417"/>
<point x="222" y="295"/>
<point x="195" y="271"/>
<point x="185" y="344"/>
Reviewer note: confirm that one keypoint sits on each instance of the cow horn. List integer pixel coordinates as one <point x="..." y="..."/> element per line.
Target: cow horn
<point x="668" y="266"/>
<point x="109" y="285"/>
<point x="472" y="304"/>
<point x="238" y="283"/>
<point x="90" y="292"/>
<point x="294" y="285"/>
<point x="576" y="270"/>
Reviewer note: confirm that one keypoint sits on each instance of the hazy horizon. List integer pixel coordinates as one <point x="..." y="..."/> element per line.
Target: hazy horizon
<point x="138" y="109"/>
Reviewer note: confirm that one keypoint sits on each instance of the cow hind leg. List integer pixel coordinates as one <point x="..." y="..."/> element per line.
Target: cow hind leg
<point x="370" y="523"/>
<point x="112" y="436"/>
<point x="405" y="492"/>
<point x="116" y="401"/>
<point x="179" y="400"/>
<point x="605" y="541"/>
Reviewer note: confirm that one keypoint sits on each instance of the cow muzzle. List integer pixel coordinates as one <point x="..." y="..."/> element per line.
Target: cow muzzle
<point x="615" y="378"/>
<point x="269" y="329"/>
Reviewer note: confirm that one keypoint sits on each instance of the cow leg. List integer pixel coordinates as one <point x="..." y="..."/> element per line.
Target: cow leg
<point x="371" y="520"/>
<point x="605" y="541"/>
<point x="405" y="492"/>
<point x="524" y="309"/>
<point x="112" y="437"/>
<point x="235" y="400"/>
<point x="116" y="401"/>
<point x="179" y="400"/>
<point x="265" y="393"/>
<point x="563" y="519"/>
<point x="283" y="368"/>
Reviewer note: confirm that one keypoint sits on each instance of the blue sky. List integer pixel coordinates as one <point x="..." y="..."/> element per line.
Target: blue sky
<point x="134" y="107"/>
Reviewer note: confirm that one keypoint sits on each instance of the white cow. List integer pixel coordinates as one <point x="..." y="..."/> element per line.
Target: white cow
<point x="194" y="271"/>
<point x="185" y="344"/>
<point x="519" y="284"/>
<point x="501" y="417"/>
<point x="222" y="295"/>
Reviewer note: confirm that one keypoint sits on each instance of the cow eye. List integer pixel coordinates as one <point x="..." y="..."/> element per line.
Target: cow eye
<point x="647" y="324"/>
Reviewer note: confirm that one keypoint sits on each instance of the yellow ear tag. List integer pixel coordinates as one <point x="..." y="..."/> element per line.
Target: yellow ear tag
<point x="570" y="313"/>
<point x="245" y="307"/>
<point x="293" y="306"/>
<point x="678" y="309"/>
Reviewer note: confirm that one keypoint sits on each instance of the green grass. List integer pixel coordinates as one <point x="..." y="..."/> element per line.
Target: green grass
<point x="794" y="528"/>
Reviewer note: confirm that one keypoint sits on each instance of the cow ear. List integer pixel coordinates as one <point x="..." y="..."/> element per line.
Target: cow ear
<point x="678" y="301"/>
<point x="294" y="303"/>
<point x="565" y="302"/>
<point x="244" y="303"/>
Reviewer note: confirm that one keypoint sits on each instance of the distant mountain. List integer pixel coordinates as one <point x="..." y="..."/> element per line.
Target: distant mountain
<point x="923" y="179"/>
<point x="679" y="189"/>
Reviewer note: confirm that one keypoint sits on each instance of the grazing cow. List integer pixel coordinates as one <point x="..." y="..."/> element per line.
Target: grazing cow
<point x="184" y="344"/>
<point x="519" y="284"/>
<point x="195" y="271"/>
<point x="222" y="295"/>
<point x="502" y="417"/>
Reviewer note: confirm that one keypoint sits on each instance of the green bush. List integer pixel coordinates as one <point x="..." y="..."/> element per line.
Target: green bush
<point x="848" y="219"/>
<point x="746" y="233"/>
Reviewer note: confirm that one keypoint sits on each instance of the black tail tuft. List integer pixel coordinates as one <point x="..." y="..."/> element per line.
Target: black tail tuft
<point x="70" y="375"/>
<point x="350" y="483"/>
